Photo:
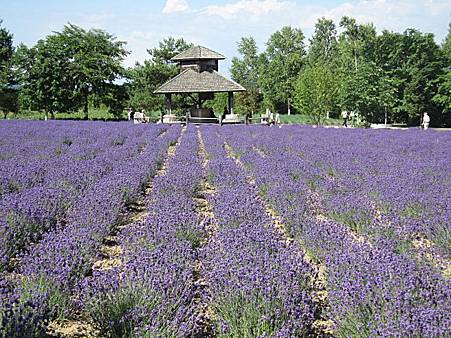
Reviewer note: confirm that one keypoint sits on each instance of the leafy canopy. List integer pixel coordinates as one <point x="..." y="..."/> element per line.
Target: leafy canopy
<point x="63" y="71"/>
<point x="147" y="77"/>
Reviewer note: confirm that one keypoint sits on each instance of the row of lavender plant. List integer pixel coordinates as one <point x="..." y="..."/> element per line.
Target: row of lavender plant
<point x="395" y="184"/>
<point x="56" y="265"/>
<point x="260" y="284"/>
<point x="26" y="215"/>
<point x="33" y="153"/>
<point x="397" y="187"/>
<point x="373" y="290"/>
<point x="151" y="293"/>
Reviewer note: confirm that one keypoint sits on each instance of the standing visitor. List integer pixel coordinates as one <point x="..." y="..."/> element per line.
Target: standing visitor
<point x="345" y="115"/>
<point x="271" y="120"/>
<point x="426" y="120"/>
<point x="277" y="119"/>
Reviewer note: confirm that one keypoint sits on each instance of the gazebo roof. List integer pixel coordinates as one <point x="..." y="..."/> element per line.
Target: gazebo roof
<point x="198" y="53"/>
<point x="190" y="81"/>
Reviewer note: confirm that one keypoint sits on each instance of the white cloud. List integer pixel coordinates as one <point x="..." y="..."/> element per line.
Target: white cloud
<point x="388" y="14"/>
<point x="396" y="15"/>
<point x="173" y="6"/>
<point x="246" y="7"/>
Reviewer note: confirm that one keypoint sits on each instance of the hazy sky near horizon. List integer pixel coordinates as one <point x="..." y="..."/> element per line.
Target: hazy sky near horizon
<point x="217" y="24"/>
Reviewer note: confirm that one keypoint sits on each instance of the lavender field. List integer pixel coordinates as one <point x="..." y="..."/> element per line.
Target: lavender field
<point x="122" y="230"/>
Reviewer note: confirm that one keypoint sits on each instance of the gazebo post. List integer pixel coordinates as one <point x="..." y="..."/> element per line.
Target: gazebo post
<point x="168" y="104"/>
<point x="199" y="79"/>
<point x="231" y="103"/>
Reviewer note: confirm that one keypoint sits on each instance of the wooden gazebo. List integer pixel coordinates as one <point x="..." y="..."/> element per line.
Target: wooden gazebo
<point x="199" y="79"/>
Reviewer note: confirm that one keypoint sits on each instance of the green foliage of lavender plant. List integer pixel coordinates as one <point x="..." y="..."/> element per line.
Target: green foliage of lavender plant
<point x="112" y="311"/>
<point x="27" y="316"/>
<point x="194" y="236"/>
<point x="442" y="237"/>
<point x="357" y="220"/>
<point x="58" y="303"/>
<point x="22" y="227"/>
<point x="263" y="190"/>
<point x="356" y="324"/>
<point x="412" y="210"/>
<point x="247" y="316"/>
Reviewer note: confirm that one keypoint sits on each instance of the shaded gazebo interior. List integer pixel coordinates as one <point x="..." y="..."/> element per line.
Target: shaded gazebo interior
<point x="200" y="80"/>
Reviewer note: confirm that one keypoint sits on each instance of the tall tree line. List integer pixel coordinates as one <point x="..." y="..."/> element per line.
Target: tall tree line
<point x="8" y="94"/>
<point x="393" y="77"/>
<point x="63" y="72"/>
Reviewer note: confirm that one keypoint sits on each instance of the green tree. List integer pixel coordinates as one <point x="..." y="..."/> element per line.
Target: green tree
<point x="220" y="101"/>
<point x="368" y="92"/>
<point x="350" y="39"/>
<point x="443" y="97"/>
<point x="446" y="46"/>
<point x="316" y="91"/>
<point x="387" y="98"/>
<point x="96" y="59"/>
<point x="400" y="71"/>
<point x="357" y="43"/>
<point x="147" y="77"/>
<point x="45" y="76"/>
<point x="244" y="70"/>
<point x="323" y="44"/>
<point x="8" y="92"/>
<point x="281" y="64"/>
<point x="6" y="53"/>
<point x="167" y="49"/>
<point x="421" y="64"/>
<point x="67" y="69"/>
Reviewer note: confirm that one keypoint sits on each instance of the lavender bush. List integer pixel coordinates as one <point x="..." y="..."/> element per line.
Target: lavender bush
<point x="62" y="258"/>
<point x="377" y="285"/>
<point x="370" y="207"/>
<point x="151" y="294"/>
<point x="260" y="285"/>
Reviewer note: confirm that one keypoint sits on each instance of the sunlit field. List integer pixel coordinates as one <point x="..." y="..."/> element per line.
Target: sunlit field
<point x="120" y="230"/>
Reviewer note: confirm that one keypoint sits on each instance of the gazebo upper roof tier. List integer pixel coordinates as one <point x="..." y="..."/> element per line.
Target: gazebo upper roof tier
<point x="198" y="53"/>
<point x="190" y="81"/>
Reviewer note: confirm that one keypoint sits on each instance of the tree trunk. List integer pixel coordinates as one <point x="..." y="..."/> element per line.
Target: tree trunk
<point x="46" y="115"/>
<point x="355" y="61"/>
<point x="289" y="106"/>
<point x="355" y="56"/>
<point x="5" y="114"/>
<point x="52" y="115"/>
<point x="85" y="108"/>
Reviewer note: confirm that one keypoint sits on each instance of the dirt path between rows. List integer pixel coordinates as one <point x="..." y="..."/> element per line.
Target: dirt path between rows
<point x="204" y="321"/>
<point x="321" y="326"/>
<point x="111" y="253"/>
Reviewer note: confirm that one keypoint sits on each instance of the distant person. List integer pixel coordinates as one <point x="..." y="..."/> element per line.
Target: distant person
<point x="277" y="119"/>
<point x="271" y="119"/>
<point x="345" y="115"/>
<point x="426" y="121"/>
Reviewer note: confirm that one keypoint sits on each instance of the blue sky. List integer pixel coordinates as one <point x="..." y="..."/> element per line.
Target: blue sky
<point x="215" y="24"/>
